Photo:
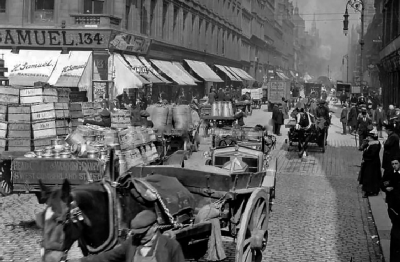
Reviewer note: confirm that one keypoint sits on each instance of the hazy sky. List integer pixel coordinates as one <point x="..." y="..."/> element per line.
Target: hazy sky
<point x="329" y="18"/>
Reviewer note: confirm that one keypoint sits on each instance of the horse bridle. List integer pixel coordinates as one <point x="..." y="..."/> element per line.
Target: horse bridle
<point x="74" y="215"/>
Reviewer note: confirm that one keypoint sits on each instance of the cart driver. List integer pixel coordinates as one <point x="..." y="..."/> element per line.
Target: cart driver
<point x="104" y="122"/>
<point x="146" y="245"/>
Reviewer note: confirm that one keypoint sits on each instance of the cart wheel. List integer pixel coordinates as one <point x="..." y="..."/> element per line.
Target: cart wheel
<point x="254" y="217"/>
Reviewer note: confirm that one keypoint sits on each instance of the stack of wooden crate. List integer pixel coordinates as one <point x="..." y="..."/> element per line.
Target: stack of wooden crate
<point x="75" y="112"/>
<point x="38" y="95"/>
<point x="19" y="134"/>
<point x="63" y="95"/>
<point x="3" y="124"/>
<point x="49" y="121"/>
<point x="9" y="95"/>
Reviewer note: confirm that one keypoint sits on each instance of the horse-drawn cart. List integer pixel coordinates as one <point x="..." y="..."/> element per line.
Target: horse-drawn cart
<point x="316" y="134"/>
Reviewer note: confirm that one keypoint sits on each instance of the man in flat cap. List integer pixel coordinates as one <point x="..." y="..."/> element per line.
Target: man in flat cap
<point x="146" y="245"/>
<point x="323" y="112"/>
<point x="104" y="122"/>
<point x="364" y="124"/>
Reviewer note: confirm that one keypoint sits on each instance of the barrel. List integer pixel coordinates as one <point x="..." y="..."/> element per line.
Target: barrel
<point x="214" y="109"/>
<point x="220" y="107"/>
<point x="160" y="117"/>
<point x="180" y="115"/>
<point x="75" y="138"/>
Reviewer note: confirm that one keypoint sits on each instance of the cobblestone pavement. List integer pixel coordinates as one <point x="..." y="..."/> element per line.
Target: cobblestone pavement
<point x="318" y="214"/>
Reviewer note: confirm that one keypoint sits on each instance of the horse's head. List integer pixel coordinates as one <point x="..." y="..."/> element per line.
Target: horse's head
<point x="62" y="222"/>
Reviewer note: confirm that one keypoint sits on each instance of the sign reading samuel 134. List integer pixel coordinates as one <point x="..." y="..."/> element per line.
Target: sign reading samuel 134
<point x="71" y="39"/>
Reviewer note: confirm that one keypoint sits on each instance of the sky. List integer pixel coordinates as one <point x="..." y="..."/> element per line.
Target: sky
<point x="329" y="18"/>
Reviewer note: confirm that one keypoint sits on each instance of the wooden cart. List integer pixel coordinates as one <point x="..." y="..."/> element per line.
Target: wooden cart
<point x="243" y="199"/>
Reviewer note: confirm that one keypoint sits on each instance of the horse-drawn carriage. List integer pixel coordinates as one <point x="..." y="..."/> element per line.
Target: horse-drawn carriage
<point x="315" y="134"/>
<point x="229" y="195"/>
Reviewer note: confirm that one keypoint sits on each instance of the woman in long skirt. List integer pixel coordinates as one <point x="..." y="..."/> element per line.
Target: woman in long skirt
<point x="370" y="173"/>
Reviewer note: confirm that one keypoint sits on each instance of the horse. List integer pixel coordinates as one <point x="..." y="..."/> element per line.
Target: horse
<point x="85" y="213"/>
<point x="304" y="127"/>
<point x="98" y="215"/>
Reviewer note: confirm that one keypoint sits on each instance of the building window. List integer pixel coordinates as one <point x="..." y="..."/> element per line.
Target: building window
<point x="2" y="6"/>
<point x="93" y="6"/>
<point x="44" y="10"/>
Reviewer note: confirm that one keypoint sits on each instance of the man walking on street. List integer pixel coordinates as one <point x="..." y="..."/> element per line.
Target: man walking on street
<point x="352" y="118"/>
<point x="343" y="119"/>
<point x="364" y="124"/>
<point x="390" y="148"/>
<point x="379" y="119"/>
<point x="323" y="112"/>
<point x="277" y="116"/>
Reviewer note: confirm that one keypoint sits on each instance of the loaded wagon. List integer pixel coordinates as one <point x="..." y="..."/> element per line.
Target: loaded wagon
<point x="236" y="187"/>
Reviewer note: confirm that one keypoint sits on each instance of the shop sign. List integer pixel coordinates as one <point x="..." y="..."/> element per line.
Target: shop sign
<point x="100" y="89"/>
<point x="54" y="38"/>
<point x="127" y="42"/>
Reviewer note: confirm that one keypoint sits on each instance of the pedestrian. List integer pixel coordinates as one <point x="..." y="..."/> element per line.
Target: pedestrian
<point x="370" y="172"/>
<point x="391" y="113"/>
<point x="322" y="112"/>
<point x="278" y="118"/>
<point x="146" y="245"/>
<point x="285" y="108"/>
<point x="379" y="119"/>
<point x="343" y="119"/>
<point x="221" y="94"/>
<point x="391" y="187"/>
<point x="390" y="148"/>
<point x="364" y="125"/>
<point x="212" y="96"/>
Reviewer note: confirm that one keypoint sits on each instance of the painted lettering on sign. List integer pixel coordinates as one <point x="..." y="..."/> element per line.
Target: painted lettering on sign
<point x="54" y="38"/>
<point x="55" y="166"/>
<point x="19" y="176"/>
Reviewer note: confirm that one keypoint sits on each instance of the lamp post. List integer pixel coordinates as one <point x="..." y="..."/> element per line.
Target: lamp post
<point x="356" y="5"/>
<point x="347" y="69"/>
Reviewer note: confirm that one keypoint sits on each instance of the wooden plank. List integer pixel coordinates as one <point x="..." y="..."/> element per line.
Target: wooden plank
<point x="75" y="107"/>
<point x="49" y="107"/>
<point x="44" y="125"/>
<point x="3" y="125"/>
<point x="19" y="127"/>
<point x="62" y="113"/>
<point x="43" y="142"/>
<point x="3" y="143"/>
<point x="44" y="133"/>
<point x="4" y="90"/>
<point x="76" y="114"/>
<point x="40" y="116"/>
<point x="3" y="133"/>
<point x="27" y="92"/>
<point x="19" y="118"/>
<point x="87" y="105"/>
<point x="20" y="142"/>
<point x="38" y="99"/>
<point x="20" y="134"/>
<point x="19" y="149"/>
<point x="62" y="131"/>
<point x="9" y="99"/>
<point x="62" y="123"/>
<point x="19" y="109"/>
<point x="63" y="99"/>
<point x="88" y="111"/>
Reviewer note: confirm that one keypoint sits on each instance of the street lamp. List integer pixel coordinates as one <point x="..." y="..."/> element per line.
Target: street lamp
<point x="347" y="60"/>
<point x="356" y="5"/>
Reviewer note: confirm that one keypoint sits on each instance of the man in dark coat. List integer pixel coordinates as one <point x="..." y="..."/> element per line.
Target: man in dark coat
<point x="352" y="119"/>
<point x="390" y="148"/>
<point x="146" y="244"/>
<point x="212" y="96"/>
<point x="221" y="95"/>
<point x="379" y="118"/>
<point x="343" y="118"/>
<point x="277" y="116"/>
<point x="323" y="112"/>
<point x="391" y="187"/>
<point x="104" y="122"/>
<point x="363" y="126"/>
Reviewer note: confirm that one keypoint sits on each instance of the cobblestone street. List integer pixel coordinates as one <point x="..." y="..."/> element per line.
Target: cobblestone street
<point x="318" y="214"/>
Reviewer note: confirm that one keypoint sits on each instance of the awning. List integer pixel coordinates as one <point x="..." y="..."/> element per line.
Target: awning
<point x="226" y="71"/>
<point x="30" y="66"/>
<point x="125" y="77"/>
<point x="180" y="66"/>
<point x="143" y="70"/>
<point x="242" y="74"/>
<point x="147" y="64"/>
<point x="174" y="72"/>
<point x="293" y="75"/>
<point x="69" y="69"/>
<point x="282" y="76"/>
<point x="203" y="71"/>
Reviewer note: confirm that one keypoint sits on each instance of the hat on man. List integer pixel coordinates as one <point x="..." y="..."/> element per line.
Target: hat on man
<point x="363" y="109"/>
<point x="143" y="221"/>
<point x="389" y="126"/>
<point x="105" y="113"/>
<point x="397" y="157"/>
<point x="372" y="135"/>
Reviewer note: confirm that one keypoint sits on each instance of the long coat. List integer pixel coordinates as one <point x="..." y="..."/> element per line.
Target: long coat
<point x="277" y="116"/>
<point x="363" y="125"/>
<point x="370" y="175"/>
<point x="168" y="250"/>
<point x="343" y="115"/>
<point x="353" y="114"/>
<point x="390" y="150"/>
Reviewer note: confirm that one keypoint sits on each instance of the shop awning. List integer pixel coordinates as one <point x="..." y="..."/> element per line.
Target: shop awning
<point x="226" y="71"/>
<point x="30" y="66"/>
<point x="148" y="65"/>
<point x="242" y="74"/>
<point x="69" y="69"/>
<point x="293" y="75"/>
<point x="125" y="77"/>
<point x="203" y="71"/>
<point x="282" y="76"/>
<point x="180" y="66"/>
<point x="172" y="71"/>
<point x="143" y="70"/>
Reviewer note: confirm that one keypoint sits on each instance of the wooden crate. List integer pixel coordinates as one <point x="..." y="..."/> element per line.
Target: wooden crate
<point x="38" y="95"/>
<point x="44" y="129"/>
<point x="88" y="111"/>
<point x="3" y="112"/>
<point x="43" y="142"/>
<point x="3" y="129"/>
<point x="63" y="94"/>
<point x="20" y="142"/>
<point x="75" y="114"/>
<point x="19" y="149"/>
<point x="9" y="95"/>
<point x="19" y="130"/>
<point x="3" y="145"/>
<point x="19" y="114"/>
<point x="49" y="111"/>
